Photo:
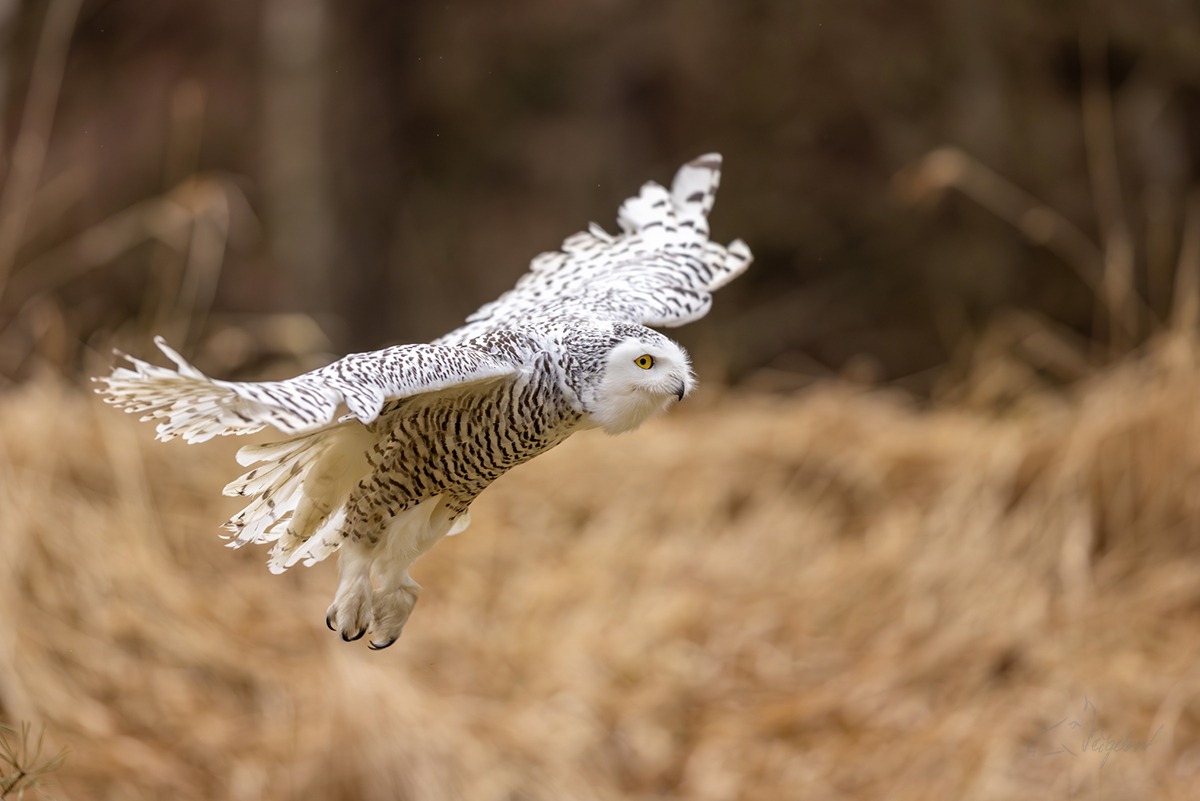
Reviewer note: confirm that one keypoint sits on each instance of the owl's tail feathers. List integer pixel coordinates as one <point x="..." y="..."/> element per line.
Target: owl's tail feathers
<point x="300" y="488"/>
<point x="198" y="408"/>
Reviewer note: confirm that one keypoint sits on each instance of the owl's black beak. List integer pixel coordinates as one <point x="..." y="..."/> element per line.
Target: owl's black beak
<point x="681" y="391"/>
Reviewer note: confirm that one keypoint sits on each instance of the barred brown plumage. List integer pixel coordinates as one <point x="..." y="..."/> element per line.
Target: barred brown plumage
<point x="431" y="426"/>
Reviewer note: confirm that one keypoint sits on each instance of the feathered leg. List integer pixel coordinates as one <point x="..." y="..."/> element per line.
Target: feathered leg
<point x="408" y="537"/>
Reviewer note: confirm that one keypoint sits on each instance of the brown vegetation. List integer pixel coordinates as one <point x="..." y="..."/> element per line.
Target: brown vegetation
<point x="832" y="595"/>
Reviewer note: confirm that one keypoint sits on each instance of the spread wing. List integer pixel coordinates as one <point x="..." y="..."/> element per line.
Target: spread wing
<point x="659" y="271"/>
<point x="197" y="408"/>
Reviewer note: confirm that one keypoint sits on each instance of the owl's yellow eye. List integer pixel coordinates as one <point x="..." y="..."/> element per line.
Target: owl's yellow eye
<point x="645" y="361"/>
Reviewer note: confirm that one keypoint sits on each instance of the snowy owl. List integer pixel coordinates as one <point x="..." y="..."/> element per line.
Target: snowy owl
<point x="431" y="426"/>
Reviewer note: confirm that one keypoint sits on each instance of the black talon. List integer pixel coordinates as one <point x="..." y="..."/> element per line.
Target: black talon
<point x="329" y="621"/>
<point x="358" y="636"/>
<point x="387" y="644"/>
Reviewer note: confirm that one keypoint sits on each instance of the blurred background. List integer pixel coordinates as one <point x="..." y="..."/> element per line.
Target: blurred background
<point x="384" y="169"/>
<point x="939" y="487"/>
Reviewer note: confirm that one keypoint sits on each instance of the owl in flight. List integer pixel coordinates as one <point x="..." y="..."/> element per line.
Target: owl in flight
<point x="431" y="426"/>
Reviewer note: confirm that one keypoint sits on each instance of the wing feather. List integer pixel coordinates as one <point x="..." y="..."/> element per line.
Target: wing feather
<point x="659" y="271"/>
<point x="197" y="408"/>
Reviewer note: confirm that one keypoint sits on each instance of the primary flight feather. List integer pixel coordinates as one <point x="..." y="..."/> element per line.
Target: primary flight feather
<point x="431" y="426"/>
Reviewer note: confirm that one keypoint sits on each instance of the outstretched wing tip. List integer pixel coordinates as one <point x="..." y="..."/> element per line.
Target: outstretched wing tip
<point x="709" y="161"/>
<point x="661" y="262"/>
<point x="694" y="188"/>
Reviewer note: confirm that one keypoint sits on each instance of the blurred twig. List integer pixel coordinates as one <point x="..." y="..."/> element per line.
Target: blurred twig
<point x="167" y="219"/>
<point x="170" y="268"/>
<point x="948" y="167"/>
<point x="205" y="255"/>
<point x="1100" y="144"/>
<point x="1171" y="709"/>
<point x="33" y="135"/>
<point x="193" y="218"/>
<point x="1185" y="312"/>
<point x="55" y="197"/>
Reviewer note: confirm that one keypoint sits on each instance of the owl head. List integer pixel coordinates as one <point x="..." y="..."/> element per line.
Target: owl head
<point x="642" y="375"/>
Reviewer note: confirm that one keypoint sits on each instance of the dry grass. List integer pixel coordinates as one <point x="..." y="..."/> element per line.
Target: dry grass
<point x="832" y="596"/>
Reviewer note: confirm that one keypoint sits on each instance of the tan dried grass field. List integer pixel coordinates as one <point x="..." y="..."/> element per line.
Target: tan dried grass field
<point x="835" y="595"/>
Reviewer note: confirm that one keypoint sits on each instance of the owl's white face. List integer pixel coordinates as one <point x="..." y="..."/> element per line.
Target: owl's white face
<point x="640" y="380"/>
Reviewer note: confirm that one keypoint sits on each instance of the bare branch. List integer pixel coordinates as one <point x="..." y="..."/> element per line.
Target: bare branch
<point x="1100" y="144"/>
<point x="33" y="136"/>
<point x="1185" y="310"/>
<point x="949" y="167"/>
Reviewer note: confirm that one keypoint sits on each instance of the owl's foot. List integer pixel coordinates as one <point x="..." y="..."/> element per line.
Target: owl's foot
<point x="349" y="617"/>
<point x="350" y="613"/>
<point x="390" y="610"/>
<point x="375" y="647"/>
